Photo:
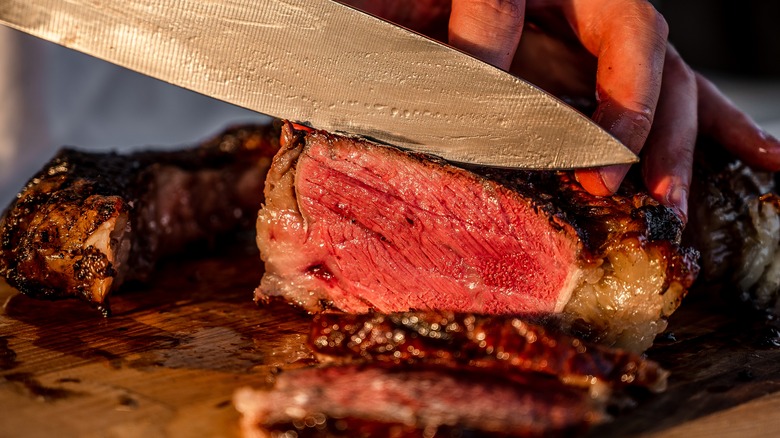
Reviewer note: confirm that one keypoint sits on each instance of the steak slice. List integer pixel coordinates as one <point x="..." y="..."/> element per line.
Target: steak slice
<point x="358" y="226"/>
<point x="89" y="221"/>
<point x="735" y="223"/>
<point x="363" y="401"/>
<point x="500" y="344"/>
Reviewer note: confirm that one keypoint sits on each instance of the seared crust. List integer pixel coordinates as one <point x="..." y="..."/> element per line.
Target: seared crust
<point x="600" y="222"/>
<point x="628" y="273"/>
<point x="88" y="221"/>
<point x="500" y="344"/>
<point x="42" y="232"/>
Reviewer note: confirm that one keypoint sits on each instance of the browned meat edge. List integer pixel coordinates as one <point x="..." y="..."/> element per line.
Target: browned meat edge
<point x="379" y="401"/>
<point x="89" y="221"/>
<point x="502" y="344"/>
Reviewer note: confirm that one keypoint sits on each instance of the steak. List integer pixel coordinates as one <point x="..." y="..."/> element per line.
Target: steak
<point x="735" y="223"/>
<point x="356" y="226"/>
<point x="499" y="344"/>
<point x="87" y="222"/>
<point x="375" y="401"/>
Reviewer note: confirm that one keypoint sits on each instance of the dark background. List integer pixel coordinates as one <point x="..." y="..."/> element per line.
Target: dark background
<point x="731" y="37"/>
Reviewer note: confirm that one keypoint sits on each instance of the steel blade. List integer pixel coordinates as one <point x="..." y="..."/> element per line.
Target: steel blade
<point x="326" y="64"/>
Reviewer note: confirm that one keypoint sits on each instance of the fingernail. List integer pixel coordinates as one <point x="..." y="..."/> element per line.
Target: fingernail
<point x="677" y="200"/>
<point x="612" y="176"/>
<point x="769" y="138"/>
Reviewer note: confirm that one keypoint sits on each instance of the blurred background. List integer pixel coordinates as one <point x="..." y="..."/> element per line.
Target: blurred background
<point x="739" y="38"/>
<point x="51" y="96"/>
<point x="737" y="45"/>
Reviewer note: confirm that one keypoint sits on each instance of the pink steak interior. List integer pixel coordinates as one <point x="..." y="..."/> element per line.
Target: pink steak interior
<point x="385" y="230"/>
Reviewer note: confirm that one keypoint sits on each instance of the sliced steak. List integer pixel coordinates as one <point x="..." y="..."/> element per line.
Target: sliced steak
<point x="735" y="223"/>
<point x="354" y="401"/>
<point x="500" y="344"/>
<point x="358" y="226"/>
<point x="89" y="221"/>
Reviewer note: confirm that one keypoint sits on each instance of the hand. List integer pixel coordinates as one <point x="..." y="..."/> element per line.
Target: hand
<point x="616" y="50"/>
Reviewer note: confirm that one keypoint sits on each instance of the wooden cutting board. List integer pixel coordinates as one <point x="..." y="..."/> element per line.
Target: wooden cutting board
<point x="168" y="360"/>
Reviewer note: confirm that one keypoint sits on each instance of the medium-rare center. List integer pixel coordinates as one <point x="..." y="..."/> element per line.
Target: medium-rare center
<point x="357" y="226"/>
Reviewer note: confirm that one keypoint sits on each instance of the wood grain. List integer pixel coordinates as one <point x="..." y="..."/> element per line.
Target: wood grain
<point x="167" y="363"/>
<point x="759" y="418"/>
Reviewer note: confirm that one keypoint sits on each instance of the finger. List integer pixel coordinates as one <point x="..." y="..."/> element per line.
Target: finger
<point x="487" y="29"/>
<point x="735" y="130"/>
<point x="429" y="17"/>
<point x="629" y="40"/>
<point x="556" y="65"/>
<point x="668" y="153"/>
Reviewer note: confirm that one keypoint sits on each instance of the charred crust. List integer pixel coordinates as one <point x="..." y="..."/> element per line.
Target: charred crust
<point x="43" y="233"/>
<point x="683" y="268"/>
<point x="93" y="265"/>
<point x="661" y="222"/>
<point x="325" y="305"/>
<point x="503" y="344"/>
<point x="32" y="289"/>
<point x="600" y="223"/>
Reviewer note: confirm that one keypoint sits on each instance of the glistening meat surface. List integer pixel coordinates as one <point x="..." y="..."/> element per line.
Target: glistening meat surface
<point x="89" y="221"/>
<point x="358" y="226"/>
<point x="387" y="228"/>
<point x="735" y="223"/>
<point x="374" y="401"/>
<point x="488" y="343"/>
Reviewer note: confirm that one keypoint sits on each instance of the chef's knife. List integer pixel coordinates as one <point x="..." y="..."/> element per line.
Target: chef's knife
<point x="326" y="64"/>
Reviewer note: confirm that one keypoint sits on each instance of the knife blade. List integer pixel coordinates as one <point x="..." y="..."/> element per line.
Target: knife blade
<point x="323" y="63"/>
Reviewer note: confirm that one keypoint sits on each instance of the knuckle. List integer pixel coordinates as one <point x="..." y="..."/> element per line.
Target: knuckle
<point x="650" y="16"/>
<point x="642" y="118"/>
<point x="641" y="16"/>
<point x="659" y="22"/>
<point x="511" y="9"/>
<point x="674" y="66"/>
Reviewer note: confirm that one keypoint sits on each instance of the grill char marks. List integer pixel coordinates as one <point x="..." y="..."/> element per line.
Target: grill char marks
<point x="489" y="343"/>
<point x="89" y="221"/>
<point x="356" y="226"/>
